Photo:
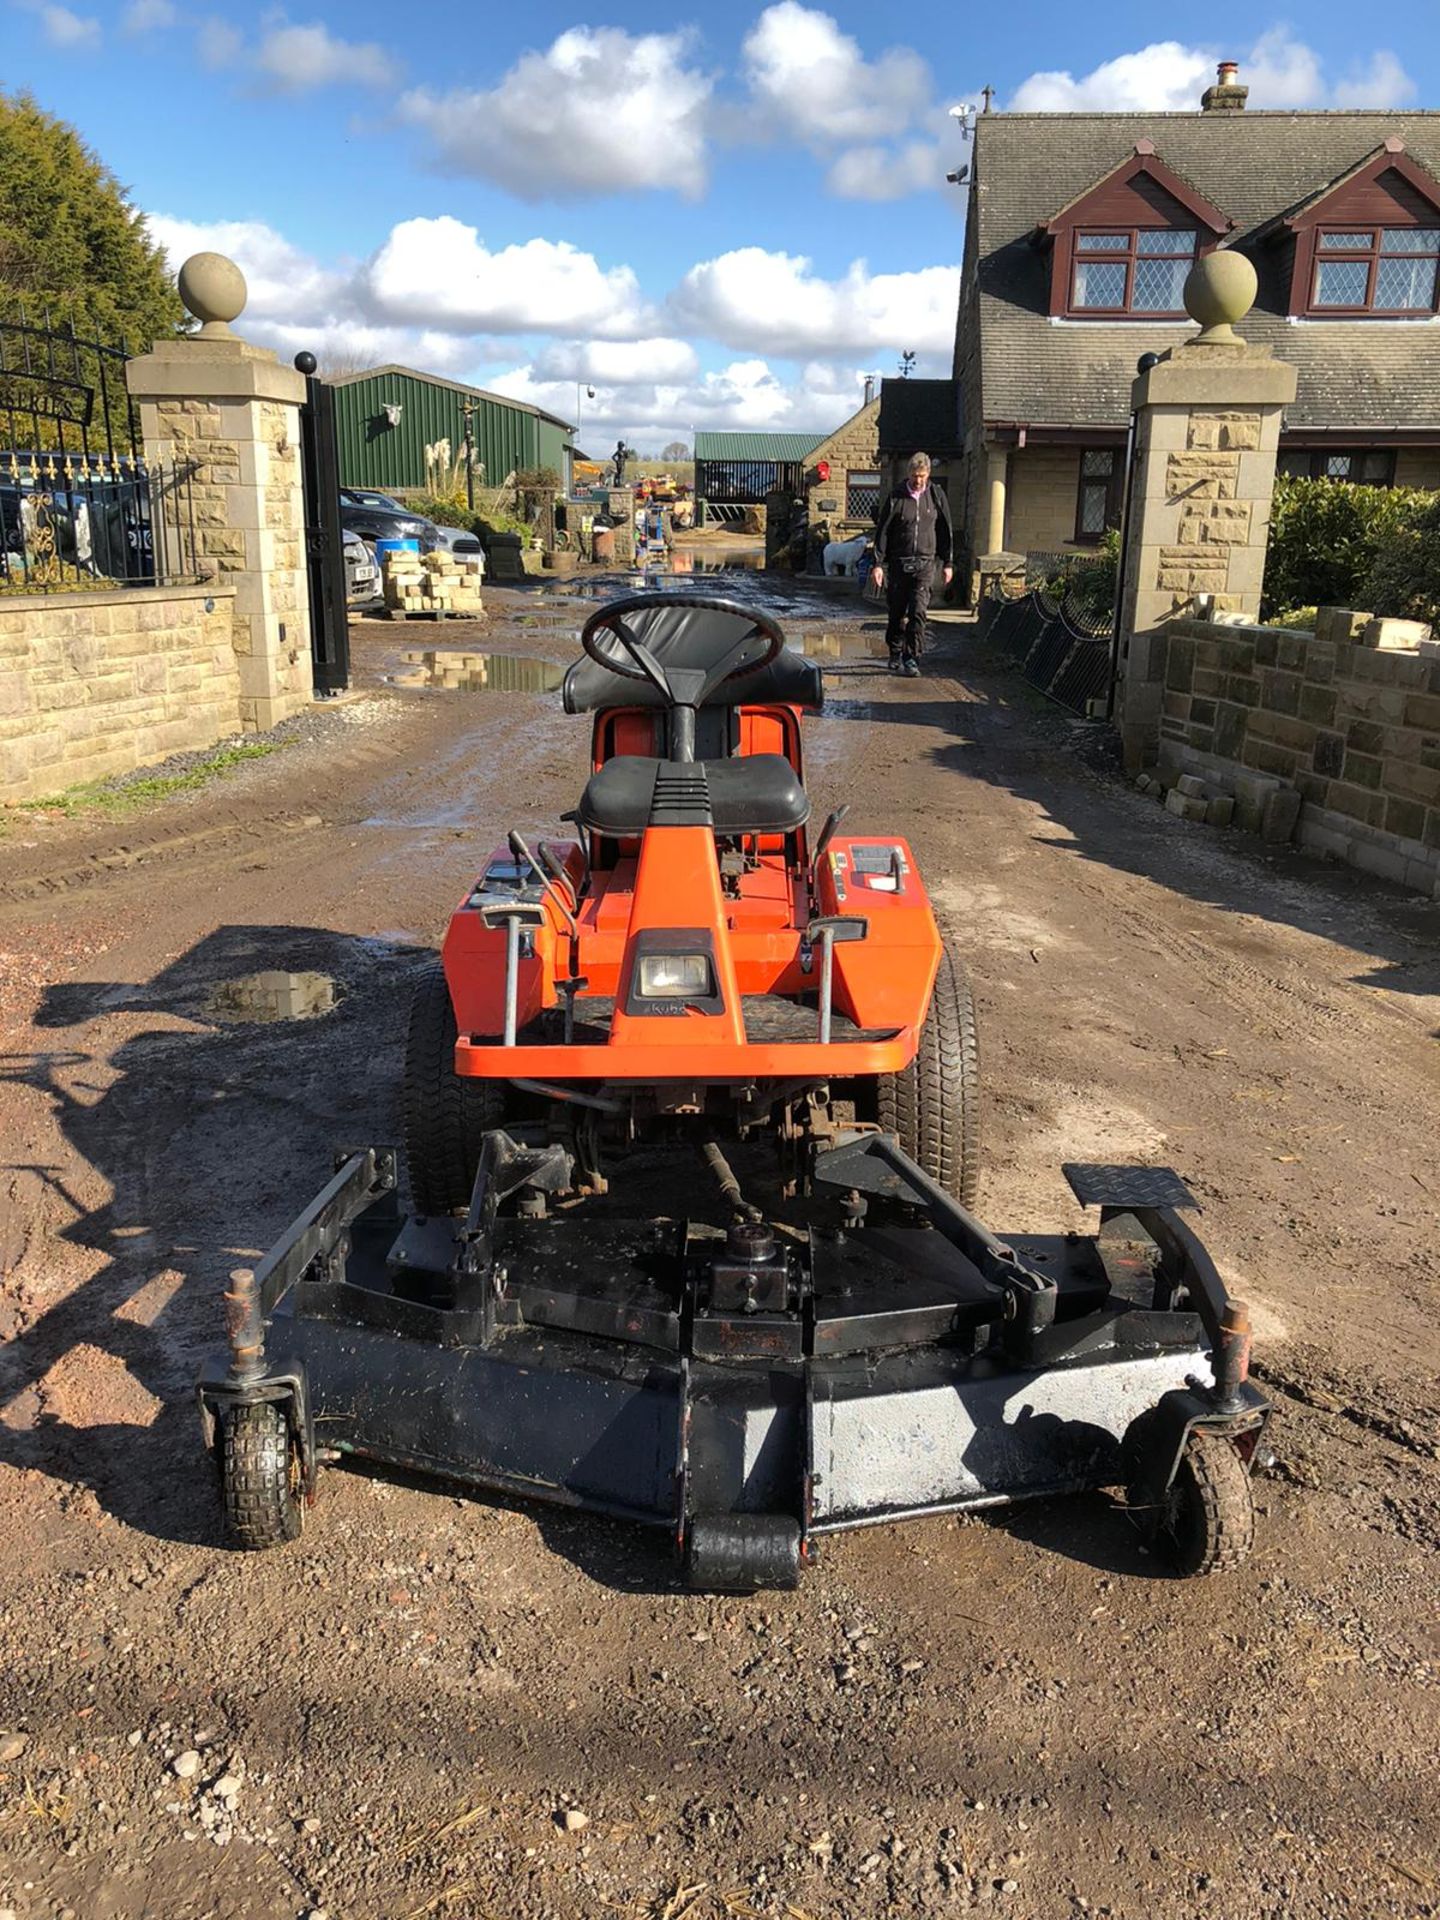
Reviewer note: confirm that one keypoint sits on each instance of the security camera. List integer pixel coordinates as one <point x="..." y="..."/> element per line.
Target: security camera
<point x="963" y="111"/>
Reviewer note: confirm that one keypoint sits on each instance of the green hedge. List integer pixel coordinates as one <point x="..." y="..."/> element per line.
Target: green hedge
<point x="1404" y="575"/>
<point x="1326" y="537"/>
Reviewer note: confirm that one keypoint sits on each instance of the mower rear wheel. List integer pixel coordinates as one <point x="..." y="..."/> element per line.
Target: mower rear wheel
<point x="260" y="1476"/>
<point x="1205" y="1521"/>
<point x="445" y="1112"/>
<point x="933" y="1105"/>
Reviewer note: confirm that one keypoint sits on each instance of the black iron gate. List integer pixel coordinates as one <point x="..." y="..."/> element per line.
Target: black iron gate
<point x="324" y="535"/>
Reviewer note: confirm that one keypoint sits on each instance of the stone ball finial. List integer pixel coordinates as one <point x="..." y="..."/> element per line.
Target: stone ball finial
<point x="213" y="289"/>
<point x="1219" y="290"/>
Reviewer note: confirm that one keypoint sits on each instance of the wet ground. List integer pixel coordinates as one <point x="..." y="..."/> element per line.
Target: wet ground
<point x="1015" y="1714"/>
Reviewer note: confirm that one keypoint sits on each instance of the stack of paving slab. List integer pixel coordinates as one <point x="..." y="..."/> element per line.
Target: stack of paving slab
<point x="433" y="585"/>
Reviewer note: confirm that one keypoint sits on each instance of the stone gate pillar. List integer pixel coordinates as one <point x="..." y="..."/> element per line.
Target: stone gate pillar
<point x="1207" y="432"/>
<point x="231" y="414"/>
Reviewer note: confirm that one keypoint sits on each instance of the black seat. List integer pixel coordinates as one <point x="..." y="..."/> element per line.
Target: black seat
<point x="754" y="793"/>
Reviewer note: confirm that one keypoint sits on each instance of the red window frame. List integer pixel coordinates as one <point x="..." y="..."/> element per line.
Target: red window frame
<point x="1128" y="256"/>
<point x="1374" y="232"/>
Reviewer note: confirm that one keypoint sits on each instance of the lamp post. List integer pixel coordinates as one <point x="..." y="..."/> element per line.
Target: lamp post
<point x="467" y="414"/>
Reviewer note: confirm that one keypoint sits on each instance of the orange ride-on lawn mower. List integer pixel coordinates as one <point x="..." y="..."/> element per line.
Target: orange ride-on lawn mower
<point x="691" y="1132"/>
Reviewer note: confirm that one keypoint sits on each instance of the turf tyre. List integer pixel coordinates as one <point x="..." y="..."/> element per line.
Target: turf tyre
<point x="260" y="1476"/>
<point x="933" y="1105"/>
<point x="1205" y="1521"/>
<point x="445" y="1114"/>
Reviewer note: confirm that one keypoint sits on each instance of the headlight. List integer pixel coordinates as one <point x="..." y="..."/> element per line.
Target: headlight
<point x="675" y="976"/>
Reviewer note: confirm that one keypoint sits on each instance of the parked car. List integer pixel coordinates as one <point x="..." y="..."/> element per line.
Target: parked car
<point x="362" y="576"/>
<point x="457" y="540"/>
<point x="100" y="527"/>
<point x="375" y="516"/>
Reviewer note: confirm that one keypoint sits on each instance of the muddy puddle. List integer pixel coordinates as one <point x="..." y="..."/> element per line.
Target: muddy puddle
<point x="459" y="670"/>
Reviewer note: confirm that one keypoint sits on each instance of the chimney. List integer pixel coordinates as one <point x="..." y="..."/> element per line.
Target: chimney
<point x="1227" y="95"/>
<point x="869" y="388"/>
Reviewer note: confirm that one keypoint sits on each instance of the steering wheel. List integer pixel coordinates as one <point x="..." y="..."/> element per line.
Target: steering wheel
<point x="679" y="686"/>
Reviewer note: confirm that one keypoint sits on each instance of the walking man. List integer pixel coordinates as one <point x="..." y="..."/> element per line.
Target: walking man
<point x="913" y="538"/>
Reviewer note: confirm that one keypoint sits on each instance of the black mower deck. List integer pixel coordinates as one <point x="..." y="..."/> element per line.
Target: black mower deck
<point x="746" y="1390"/>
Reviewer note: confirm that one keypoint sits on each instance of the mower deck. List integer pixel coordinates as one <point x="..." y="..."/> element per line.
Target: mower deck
<point x="747" y="1391"/>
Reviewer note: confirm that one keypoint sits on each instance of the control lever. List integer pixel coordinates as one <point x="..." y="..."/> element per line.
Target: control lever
<point x="547" y="881"/>
<point x="845" y="926"/>
<point x="827" y="834"/>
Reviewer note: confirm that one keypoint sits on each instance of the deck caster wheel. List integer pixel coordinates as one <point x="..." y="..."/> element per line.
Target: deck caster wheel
<point x="742" y="1553"/>
<point x="260" y="1480"/>
<point x="1205" y="1520"/>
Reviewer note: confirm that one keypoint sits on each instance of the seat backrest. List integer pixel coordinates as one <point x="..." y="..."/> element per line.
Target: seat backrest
<point x="790" y="680"/>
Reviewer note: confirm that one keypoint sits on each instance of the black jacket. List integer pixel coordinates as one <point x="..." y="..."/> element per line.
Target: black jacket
<point x="914" y="528"/>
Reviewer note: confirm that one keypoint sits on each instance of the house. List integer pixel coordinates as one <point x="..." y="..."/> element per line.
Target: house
<point x="387" y="417"/>
<point x="1081" y="230"/>
<point x="842" y="475"/>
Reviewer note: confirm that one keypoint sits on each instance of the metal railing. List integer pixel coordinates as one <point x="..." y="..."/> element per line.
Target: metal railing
<point x="1061" y="644"/>
<point x="79" y="504"/>
<point x="66" y="523"/>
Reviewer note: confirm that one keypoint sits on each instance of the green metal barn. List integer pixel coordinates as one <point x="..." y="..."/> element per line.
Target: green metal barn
<point x="386" y="417"/>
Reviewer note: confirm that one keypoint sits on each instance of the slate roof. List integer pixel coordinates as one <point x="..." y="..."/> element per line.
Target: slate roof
<point x="756" y="446"/>
<point x="920" y="413"/>
<point x="1254" y="166"/>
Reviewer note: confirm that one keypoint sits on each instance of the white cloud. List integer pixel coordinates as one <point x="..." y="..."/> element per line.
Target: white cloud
<point x="746" y="394"/>
<point x="881" y="173"/>
<point x="1165" y="77"/>
<point x="775" y="303"/>
<point x="146" y="16"/>
<point x="441" y="272"/>
<point x="819" y="85"/>
<point x="218" y="44"/>
<point x="618" y="362"/>
<point x="601" y="111"/>
<point x="435" y="297"/>
<point x="65" y="30"/>
<point x="280" y="277"/>
<point x="1384" y="83"/>
<point x="874" y="120"/>
<point x="296" y="59"/>
<point x="1169" y="77"/>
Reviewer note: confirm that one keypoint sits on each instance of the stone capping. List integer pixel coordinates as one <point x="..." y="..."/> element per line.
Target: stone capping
<point x="111" y="597"/>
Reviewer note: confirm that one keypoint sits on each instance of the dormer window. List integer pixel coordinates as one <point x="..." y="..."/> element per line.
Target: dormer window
<point x="1141" y="270"/>
<point x="1382" y="270"/>
<point x="1367" y="246"/>
<point x="1121" y="250"/>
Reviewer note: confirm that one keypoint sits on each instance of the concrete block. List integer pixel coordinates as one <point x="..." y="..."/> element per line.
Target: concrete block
<point x="1191" y="785"/>
<point x="1279" y="817"/>
<point x="1394" y="636"/>
<point x="1339" y="623"/>
<point x="1220" y="810"/>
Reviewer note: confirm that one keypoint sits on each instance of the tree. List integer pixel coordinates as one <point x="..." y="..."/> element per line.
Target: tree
<point x="71" y="240"/>
<point x="677" y="450"/>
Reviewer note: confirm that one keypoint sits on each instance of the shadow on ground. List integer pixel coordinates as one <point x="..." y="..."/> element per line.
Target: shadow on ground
<point x="1010" y="736"/>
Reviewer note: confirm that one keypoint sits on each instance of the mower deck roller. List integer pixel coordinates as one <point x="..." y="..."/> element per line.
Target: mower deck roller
<point x="630" y="1012"/>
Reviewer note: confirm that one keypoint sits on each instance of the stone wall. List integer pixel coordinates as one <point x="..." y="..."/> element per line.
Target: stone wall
<point x="93" y="684"/>
<point x="855" y="445"/>
<point x="1348" y="716"/>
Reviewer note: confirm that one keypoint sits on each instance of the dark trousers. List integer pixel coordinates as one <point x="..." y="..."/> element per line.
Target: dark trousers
<point x="908" y="599"/>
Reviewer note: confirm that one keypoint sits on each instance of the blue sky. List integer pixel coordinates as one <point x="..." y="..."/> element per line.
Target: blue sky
<point x="713" y="218"/>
